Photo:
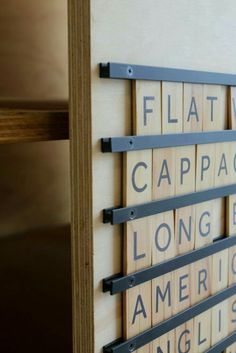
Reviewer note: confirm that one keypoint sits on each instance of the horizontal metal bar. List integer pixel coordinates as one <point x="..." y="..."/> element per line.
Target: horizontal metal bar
<point x="155" y="73"/>
<point x="124" y="214"/>
<point x="223" y="344"/>
<point x="157" y="331"/>
<point x="118" y="283"/>
<point x="135" y="143"/>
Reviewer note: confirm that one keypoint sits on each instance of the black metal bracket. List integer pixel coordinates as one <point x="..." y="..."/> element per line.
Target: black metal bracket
<point x="154" y="73"/>
<point x="119" y="215"/>
<point x="119" y="283"/>
<point x="136" y="143"/>
<point x="121" y="346"/>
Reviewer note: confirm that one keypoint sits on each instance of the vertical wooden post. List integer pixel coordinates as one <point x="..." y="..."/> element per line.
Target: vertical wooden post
<point x="81" y="174"/>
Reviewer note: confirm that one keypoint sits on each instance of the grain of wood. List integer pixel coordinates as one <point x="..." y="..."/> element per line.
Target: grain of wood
<point x="81" y="175"/>
<point x="111" y="106"/>
<point x="24" y="121"/>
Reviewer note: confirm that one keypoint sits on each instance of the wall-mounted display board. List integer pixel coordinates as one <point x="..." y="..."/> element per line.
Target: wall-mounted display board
<point x="178" y="211"/>
<point x="153" y="176"/>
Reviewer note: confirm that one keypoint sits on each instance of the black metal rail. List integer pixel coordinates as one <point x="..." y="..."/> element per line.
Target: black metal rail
<point x="155" y="73"/>
<point x="117" y="215"/>
<point x="119" y="283"/>
<point x="136" y="143"/>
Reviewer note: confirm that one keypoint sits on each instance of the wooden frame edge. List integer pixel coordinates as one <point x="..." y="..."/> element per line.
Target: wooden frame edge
<point x="80" y="117"/>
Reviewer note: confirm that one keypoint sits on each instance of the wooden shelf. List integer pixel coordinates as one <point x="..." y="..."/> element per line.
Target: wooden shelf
<point x="22" y="121"/>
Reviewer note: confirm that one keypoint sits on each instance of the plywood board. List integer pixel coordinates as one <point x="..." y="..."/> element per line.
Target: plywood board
<point x="107" y="104"/>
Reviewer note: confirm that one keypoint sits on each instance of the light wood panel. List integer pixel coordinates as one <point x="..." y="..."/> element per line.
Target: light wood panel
<point x="114" y="38"/>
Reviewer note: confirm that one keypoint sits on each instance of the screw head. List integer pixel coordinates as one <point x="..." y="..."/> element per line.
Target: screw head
<point x="131" y="281"/>
<point x="132" y="214"/>
<point x="131" y="143"/>
<point x="132" y="347"/>
<point x="130" y="71"/>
